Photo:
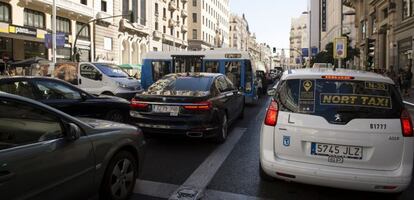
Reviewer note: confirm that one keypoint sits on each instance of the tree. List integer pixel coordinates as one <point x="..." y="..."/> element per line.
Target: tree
<point x="326" y="56"/>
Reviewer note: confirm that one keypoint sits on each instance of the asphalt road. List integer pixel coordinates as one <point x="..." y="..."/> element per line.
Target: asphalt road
<point x="172" y="163"/>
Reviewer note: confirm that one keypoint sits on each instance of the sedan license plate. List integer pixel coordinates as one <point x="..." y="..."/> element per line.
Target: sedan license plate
<point x="173" y="110"/>
<point x="333" y="150"/>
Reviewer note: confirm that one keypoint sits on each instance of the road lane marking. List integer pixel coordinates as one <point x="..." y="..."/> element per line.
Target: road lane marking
<point x="202" y="176"/>
<point x="164" y="191"/>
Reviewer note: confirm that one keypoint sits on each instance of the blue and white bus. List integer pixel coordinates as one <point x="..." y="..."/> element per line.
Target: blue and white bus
<point x="235" y="64"/>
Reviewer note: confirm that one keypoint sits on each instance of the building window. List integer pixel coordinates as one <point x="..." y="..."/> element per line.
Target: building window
<point x="107" y="43"/>
<point x="62" y="25"/>
<point x="156" y="9"/>
<point x="194" y="17"/>
<point x="195" y="3"/>
<point x="164" y="13"/>
<point x="34" y="18"/>
<point x="194" y="34"/>
<point x="385" y="13"/>
<point x="373" y="24"/>
<point x="85" y="32"/>
<point x="164" y="29"/>
<point x="156" y="26"/>
<point x="84" y="2"/>
<point x="103" y="6"/>
<point x="407" y="8"/>
<point x="5" y="14"/>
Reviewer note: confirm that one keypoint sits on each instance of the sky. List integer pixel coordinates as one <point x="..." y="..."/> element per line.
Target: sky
<point x="270" y="19"/>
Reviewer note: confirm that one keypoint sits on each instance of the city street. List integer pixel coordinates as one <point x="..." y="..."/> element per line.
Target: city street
<point x="169" y="163"/>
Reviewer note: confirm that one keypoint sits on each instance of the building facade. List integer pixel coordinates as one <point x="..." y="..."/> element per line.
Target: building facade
<point x="239" y="32"/>
<point x="298" y="40"/>
<point x="24" y="25"/>
<point x="208" y="24"/>
<point x="385" y="33"/>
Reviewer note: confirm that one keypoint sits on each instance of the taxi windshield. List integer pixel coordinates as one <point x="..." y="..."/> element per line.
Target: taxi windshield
<point x="350" y="98"/>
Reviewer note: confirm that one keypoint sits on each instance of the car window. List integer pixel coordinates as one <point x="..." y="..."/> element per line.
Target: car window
<point x="221" y="84"/>
<point x="21" y="88"/>
<point x="89" y="72"/>
<point x="21" y="124"/>
<point x="181" y="85"/>
<point x="350" y="99"/>
<point x="50" y="90"/>
<point x="112" y="70"/>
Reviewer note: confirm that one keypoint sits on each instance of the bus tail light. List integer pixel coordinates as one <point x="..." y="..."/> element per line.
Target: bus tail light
<point x="202" y="106"/>
<point x="135" y="104"/>
<point x="272" y="114"/>
<point x="406" y="124"/>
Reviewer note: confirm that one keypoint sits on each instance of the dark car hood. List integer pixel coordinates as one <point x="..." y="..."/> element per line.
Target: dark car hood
<point x="105" y="125"/>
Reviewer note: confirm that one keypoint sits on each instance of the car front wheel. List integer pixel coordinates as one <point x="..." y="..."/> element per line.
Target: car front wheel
<point x="120" y="176"/>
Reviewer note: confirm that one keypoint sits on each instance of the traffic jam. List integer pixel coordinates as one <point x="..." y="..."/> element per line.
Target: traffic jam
<point x="85" y="130"/>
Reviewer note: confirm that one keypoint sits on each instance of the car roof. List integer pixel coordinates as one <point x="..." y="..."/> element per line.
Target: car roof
<point x="317" y="73"/>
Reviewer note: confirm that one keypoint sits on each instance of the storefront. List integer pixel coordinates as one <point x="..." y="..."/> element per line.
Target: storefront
<point x="405" y="48"/>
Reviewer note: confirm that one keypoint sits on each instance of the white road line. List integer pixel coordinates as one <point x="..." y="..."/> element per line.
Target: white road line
<point x="155" y="189"/>
<point x="164" y="191"/>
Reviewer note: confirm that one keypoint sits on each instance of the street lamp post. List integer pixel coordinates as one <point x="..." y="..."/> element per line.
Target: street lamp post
<point x="309" y="13"/>
<point x="54" y="31"/>
<point x="341" y="30"/>
<point x="75" y="56"/>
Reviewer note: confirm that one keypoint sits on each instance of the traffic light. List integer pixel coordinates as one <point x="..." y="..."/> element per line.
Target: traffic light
<point x="370" y="51"/>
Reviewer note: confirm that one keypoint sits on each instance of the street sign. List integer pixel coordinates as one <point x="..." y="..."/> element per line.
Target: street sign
<point x="340" y="48"/>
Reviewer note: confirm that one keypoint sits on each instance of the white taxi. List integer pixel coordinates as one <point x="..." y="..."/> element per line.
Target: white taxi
<point x="337" y="128"/>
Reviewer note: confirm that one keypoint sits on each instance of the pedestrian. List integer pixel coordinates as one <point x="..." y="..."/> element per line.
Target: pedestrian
<point x="394" y="76"/>
<point x="407" y="77"/>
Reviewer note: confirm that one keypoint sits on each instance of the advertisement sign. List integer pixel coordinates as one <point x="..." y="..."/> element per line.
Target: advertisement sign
<point x="340" y="48"/>
<point x="23" y="30"/>
<point x="60" y="40"/>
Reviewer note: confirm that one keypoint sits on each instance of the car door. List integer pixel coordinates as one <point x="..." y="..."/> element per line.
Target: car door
<point x="36" y="161"/>
<point x="226" y="96"/>
<point x="237" y="98"/>
<point x="61" y="96"/>
<point x="90" y="79"/>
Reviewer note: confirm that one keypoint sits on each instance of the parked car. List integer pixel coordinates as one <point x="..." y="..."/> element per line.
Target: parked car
<point x="338" y="128"/>
<point x="67" y="98"/>
<point x="99" y="78"/>
<point x="200" y="105"/>
<point x="47" y="154"/>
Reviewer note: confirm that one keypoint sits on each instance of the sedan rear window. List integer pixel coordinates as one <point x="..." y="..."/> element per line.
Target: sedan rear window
<point x="176" y="85"/>
<point x="348" y="99"/>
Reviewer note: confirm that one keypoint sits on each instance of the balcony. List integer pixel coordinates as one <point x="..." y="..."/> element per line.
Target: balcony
<point x="171" y="23"/>
<point x="172" y="6"/>
<point x="101" y="15"/>
<point x="184" y="13"/>
<point x="184" y="1"/>
<point x="68" y="6"/>
<point x="157" y="35"/>
<point x="184" y="29"/>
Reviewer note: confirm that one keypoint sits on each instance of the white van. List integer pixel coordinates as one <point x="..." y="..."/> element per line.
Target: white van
<point x="99" y="78"/>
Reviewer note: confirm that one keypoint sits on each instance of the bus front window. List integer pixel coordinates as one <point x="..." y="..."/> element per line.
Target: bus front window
<point x="233" y="72"/>
<point x="160" y="69"/>
<point x="212" y="67"/>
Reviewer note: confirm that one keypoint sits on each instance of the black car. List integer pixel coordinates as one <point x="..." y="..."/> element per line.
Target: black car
<point x="47" y="154"/>
<point x="67" y="98"/>
<point x="198" y="105"/>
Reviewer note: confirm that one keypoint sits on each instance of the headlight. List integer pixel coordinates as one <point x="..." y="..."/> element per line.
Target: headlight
<point x="122" y="85"/>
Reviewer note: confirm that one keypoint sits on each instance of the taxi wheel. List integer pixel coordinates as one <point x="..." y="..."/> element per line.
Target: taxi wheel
<point x="223" y="131"/>
<point x="264" y="176"/>
<point x="120" y="176"/>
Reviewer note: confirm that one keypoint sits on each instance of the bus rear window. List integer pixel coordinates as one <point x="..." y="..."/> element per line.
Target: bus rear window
<point x="160" y="69"/>
<point x="350" y="99"/>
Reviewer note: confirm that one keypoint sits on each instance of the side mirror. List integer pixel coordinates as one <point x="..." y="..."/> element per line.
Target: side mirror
<point x="84" y="96"/>
<point x="271" y="92"/>
<point x="73" y="132"/>
<point x="98" y="76"/>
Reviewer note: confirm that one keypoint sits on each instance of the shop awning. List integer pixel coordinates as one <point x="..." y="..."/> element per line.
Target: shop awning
<point x="29" y="62"/>
<point x="131" y="66"/>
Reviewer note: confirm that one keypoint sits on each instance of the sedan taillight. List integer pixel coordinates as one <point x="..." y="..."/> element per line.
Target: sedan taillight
<point x="406" y="124"/>
<point x="202" y="106"/>
<point x="135" y="104"/>
<point x="272" y="114"/>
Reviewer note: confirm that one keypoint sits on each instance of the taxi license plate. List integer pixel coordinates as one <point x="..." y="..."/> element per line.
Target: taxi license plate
<point x="173" y="110"/>
<point x="352" y="152"/>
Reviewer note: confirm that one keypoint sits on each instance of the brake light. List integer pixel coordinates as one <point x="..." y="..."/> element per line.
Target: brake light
<point x="202" y="106"/>
<point x="331" y="77"/>
<point x="406" y="124"/>
<point x="135" y="104"/>
<point x="272" y="114"/>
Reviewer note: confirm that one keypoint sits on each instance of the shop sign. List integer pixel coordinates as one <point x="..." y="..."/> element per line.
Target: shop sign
<point x="23" y="30"/>
<point x="60" y="40"/>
